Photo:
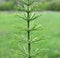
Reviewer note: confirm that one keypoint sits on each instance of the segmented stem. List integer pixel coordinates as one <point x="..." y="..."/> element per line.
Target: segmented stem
<point x="28" y="25"/>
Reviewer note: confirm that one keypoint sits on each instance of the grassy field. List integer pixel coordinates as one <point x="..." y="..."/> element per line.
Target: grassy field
<point x="10" y="35"/>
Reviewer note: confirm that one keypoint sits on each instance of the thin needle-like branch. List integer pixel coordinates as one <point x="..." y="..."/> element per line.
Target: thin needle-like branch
<point x="24" y="18"/>
<point x="27" y="4"/>
<point x="36" y="27"/>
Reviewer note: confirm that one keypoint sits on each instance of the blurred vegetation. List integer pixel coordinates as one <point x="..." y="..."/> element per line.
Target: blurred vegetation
<point x="48" y="5"/>
<point x="7" y="6"/>
<point x="40" y="5"/>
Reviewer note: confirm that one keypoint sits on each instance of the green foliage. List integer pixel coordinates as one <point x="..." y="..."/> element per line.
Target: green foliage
<point x="38" y="6"/>
<point x="55" y="5"/>
<point x="41" y="6"/>
<point x="7" y="6"/>
<point x="52" y="5"/>
<point x="29" y="16"/>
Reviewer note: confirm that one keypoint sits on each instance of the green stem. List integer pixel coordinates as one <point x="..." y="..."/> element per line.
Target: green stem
<point x="28" y="25"/>
<point x="29" y="42"/>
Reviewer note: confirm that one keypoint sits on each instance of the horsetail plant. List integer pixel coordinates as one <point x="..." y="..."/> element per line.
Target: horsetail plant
<point x="29" y="16"/>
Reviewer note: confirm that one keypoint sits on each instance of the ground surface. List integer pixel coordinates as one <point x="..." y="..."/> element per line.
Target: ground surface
<point x="9" y="35"/>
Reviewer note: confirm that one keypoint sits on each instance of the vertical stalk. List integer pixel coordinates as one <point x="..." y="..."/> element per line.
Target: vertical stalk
<point x="29" y="42"/>
<point x="28" y="32"/>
